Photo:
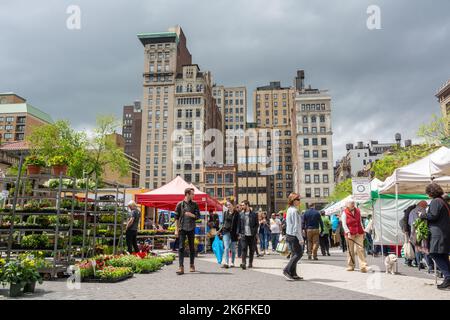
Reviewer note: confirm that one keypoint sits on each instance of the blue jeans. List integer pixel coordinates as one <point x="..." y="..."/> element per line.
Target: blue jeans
<point x="275" y="237"/>
<point x="229" y="246"/>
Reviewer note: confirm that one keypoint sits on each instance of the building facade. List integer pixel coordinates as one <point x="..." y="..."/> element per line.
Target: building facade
<point x="132" y="132"/>
<point x="443" y="96"/>
<point x="172" y="84"/>
<point x="220" y="181"/>
<point x="313" y="173"/>
<point x="232" y="103"/>
<point x="272" y="106"/>
<point x="18" y="118"/>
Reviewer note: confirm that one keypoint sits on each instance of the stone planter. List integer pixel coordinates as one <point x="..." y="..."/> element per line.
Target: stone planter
<point x="57" y="170"/>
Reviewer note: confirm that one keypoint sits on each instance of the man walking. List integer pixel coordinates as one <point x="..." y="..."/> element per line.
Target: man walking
<point x="324" y="234"/>
<point x="132" y="227"/>
<point x="354" y="234"/>
<point x="312" y="224"/>
<point x="247" y="229"/>
<point x="186" y="213"/>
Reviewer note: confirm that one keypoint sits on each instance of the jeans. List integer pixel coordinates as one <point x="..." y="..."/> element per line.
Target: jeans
<point x="263" y="240"/>
<point x="324" y="244"/>
<point x="296" y="255"/>
<point x="190" y="235"/>
<point x="247" y="243"/>
<point x="369" y="243"/>
<point x="442" y="263"/>
<point x="131" y="238"/>
<point x="229" y="246"/>
<point x="275" y="237"/>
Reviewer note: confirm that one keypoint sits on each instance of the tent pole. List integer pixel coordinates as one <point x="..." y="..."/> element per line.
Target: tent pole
<point x="206" y="216"/>
<point x="381" y="226"/>
<point x="396" y="224"/>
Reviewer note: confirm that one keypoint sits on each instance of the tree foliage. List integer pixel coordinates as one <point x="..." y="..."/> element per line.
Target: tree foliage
<point x="436" y="132"/>
<point x="400" y="157"/>
<point x="342" y="190"/>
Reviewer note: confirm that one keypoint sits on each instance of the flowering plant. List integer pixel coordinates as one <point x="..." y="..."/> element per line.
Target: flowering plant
<point x="111" y="273"/>
<point x="34" y="161"/>
<point x="58" y="161"/>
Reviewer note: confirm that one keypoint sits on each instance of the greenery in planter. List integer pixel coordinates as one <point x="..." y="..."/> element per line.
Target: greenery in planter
<point x="13" y="273"/>
<point x="58" y="161"/>
<point x="2" y="265"/>
<point x="112" y="273"/>
<point x="63" y="219"/>
<point x="35" y="241"/>
<point x="42" y="220"/>
<point x="34" y="160"/>
<point x="29" y="269"/>
<point x="54" y="183"/>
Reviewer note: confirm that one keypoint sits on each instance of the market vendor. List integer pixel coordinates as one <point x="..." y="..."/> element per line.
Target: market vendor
<point x="186" y="213"/>
<point x="132" y="227"/>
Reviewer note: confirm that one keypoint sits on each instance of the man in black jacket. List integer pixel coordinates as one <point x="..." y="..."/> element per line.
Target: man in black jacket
<point x="247" y="229"/>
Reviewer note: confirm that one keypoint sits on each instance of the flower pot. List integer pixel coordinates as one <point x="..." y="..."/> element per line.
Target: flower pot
<point x="57" y="170"/>
<point x="15" y="289"/>
<point x="29" y="287"/>
<point x="33" y="169"/>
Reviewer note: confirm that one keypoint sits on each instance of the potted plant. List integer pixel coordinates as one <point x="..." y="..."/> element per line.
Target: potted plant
<point x="31" y="275"/>
<point x="13" y="274"/>
<point x="59" y="165"/>
<point x="34" y="164"/>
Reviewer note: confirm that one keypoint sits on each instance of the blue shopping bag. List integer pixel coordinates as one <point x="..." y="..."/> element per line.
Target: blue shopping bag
<point x="217" y="248"/>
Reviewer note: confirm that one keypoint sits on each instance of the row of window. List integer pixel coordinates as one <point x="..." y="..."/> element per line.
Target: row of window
<point x="189" y="88"/>
<point x="8" y="119"/>
<point x="317" y="193"/>
<point x="157" y="90"/>
<point x="229" y="93"/>
<point x="238" y="126"/>
<point x="236" y="119"/>
<point x="275" y="121"/>
<point x="159" y="67"/>
<point x="314" y="119"/>
<point x="275" y="113"/>
<point x="219" y="178"/>
<point x="219" y="193"/>
<point x="316" y="166"/>
<point x="237" y="110"/>
<point x="281" y="195"/>
<point x="314" y="130"/>
<point x="316" y="178"/>
<point x="183" y="101"/>
<point x="313" y="107"/>
<point x="10" y="127"/>
<point x="238" y="102"/>
<point x="266" y="96"/>
<point x="158" y="101"/>
<point x="266" y="104"/>
<point x="315" y="154"/>
<point x="158" y="113"/>
<point x="315" y="141"/>
<point x="188" y="113"/>
<point x="160" y="46"/>
<point x="159" y="78"/>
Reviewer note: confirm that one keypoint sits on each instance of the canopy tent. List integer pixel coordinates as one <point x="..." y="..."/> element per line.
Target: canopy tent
<point x="414" y="177"/>
<point x="338" y="206"/>
<point x="167" y="197"/>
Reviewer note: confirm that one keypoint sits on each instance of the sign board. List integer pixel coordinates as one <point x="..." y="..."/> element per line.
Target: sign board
<point x="361" y="189"/>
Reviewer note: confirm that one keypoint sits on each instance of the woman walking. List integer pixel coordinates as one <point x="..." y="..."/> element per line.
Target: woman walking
<point x="229" y="234"/>
<point x="263" y="233"/>
<point x="275" y="230"/>
<point x="294" y="237"/>
<point x="438" y="218"/>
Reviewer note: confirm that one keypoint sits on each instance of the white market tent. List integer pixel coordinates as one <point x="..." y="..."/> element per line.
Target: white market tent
<point x="414" y="177"/>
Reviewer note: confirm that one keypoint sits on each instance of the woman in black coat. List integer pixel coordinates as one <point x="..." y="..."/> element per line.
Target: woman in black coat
<point x="438" y="217"/>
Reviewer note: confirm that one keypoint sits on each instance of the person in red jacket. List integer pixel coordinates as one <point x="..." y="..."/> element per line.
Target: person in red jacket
<point x="354" y="235"/>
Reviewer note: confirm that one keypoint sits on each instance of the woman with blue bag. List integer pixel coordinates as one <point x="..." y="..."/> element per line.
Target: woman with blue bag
<point x="229" y="234"/>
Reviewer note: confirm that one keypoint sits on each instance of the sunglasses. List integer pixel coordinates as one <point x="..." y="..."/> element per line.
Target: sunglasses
<point x="297" y="199"/>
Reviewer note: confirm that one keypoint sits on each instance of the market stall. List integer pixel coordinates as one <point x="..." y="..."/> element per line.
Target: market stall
<point x="167" y="197"/>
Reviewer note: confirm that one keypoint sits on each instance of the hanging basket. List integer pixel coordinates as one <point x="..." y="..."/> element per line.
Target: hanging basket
<point x="57" y="170"/>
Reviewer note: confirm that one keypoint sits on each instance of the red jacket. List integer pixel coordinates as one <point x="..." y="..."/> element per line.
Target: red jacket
<point x="353" y="221"/>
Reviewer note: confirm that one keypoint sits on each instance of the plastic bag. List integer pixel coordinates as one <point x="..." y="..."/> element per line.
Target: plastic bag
<point x="217" y="247"/>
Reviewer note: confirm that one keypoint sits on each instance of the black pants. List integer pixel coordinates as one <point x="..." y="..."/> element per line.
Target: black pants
<point x="131" y="237"/>
<point x="442" y="263"/>
<point x="190" y="235"/>
<point x="324" y="244"/>
<point x="296" y="255"/>
<point x="248" y="243"/>
<point x="343" y="243"/>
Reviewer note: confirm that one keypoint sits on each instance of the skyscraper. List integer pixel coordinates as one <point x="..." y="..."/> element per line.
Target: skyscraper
<point x="313" y="148"/>
<point x="175" y="93"/>
<point x="132" y="132"/>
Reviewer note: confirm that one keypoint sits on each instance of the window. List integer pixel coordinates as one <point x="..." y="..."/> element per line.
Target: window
<point x="324" y="153"/>
<point x="323" y="141"/>
<point x="325" y="178"/>
<point x="308" y="192"/>
<point x="229" y="178"/>
<point x="210" y="178"/>
<point x="314" y="141"/>
<point x="305" y="119"/>
<point x="317" y="192"/>
<point x="322" y="118"/>
<point x="324" y="165"/>
<point x="315" y="153"/>
<point x="306" y="153"/>
<point x="316" y="166"/>
<point x="305" y="130"/>
<point x="316" y="178"/>
<point x="306" y="142"/>
<point x="313" y="119"/>
<point x="314" y="130"/>
<point x="326" y="192"/>
<point x="307" y="178"/>
<point x="322" y="130"/>
<point x="307" y="166"/>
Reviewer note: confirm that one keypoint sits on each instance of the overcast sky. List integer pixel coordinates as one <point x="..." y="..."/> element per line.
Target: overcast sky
<point x="381" y="81"/>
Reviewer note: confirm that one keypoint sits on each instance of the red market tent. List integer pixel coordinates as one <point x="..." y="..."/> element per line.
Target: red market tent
<point x="167" y="197"/>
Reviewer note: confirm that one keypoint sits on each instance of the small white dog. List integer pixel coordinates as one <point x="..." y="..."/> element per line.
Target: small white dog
<point x="390" y="262"/>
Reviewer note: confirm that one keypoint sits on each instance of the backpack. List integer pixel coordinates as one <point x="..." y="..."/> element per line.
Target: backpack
<point x="403" y="223"/>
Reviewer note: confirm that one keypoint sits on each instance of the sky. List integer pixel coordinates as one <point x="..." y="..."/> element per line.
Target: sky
<point x="382" y="81"/>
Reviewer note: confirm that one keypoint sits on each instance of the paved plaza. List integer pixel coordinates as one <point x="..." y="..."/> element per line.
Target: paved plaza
<point x="325" y="279"/>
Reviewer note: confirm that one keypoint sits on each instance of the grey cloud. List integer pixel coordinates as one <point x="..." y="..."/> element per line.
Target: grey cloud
<point x="381" y="81"/>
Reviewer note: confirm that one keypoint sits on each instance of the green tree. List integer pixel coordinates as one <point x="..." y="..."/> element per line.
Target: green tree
<point x="436" y="132"/>
<point x="103" y="150"/>
<point x="342" y="190"/>
<point x="400" y="157"/>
